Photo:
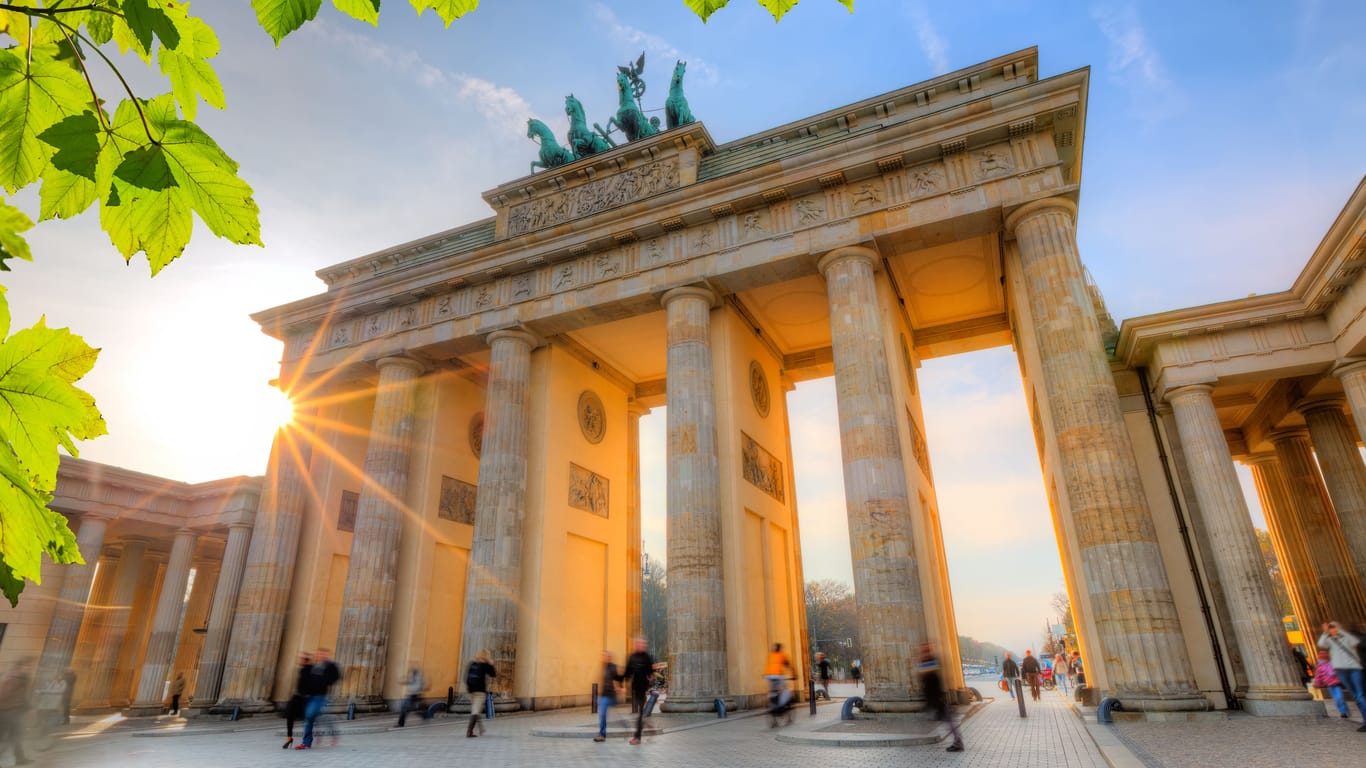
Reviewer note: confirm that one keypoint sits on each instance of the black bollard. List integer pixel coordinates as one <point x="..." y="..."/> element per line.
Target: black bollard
<point x="488" y="706"/>
<point x="1019" y="696"/>
<point x="236" y="713"/>
<point x="450" y="699"/>
<point x="593" y="705"/>
<point x="811" y="694"/>
<point x="351" y="711"/>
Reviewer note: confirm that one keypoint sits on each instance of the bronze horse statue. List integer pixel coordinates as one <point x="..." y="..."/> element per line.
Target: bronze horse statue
<point x="583" y="140"/>
<point x="629" y="118"/>
<point x="552" y="154"/>
<point x="676" y="110"/>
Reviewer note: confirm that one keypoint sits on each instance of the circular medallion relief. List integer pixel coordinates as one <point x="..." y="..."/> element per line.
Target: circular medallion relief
<point x="758" y="388"/>
<point x="592" y="416"/>
<point x="477" y="433"/>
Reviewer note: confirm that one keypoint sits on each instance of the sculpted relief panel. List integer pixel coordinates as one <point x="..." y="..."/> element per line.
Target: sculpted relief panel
<point x="761" y="468"/>
<point x="587" y="490"/>
<point x="594" y="197"/>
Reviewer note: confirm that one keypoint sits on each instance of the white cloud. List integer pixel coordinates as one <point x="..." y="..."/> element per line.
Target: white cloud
<point x="1134" y="63"/>
<point x="935" y="46"/>
<point x="660" y="48"/>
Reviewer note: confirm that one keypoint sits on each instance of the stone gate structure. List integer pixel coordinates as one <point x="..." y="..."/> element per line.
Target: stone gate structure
<point x="464" y="469"/>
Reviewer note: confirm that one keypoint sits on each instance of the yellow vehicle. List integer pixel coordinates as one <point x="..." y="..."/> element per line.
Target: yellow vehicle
<point x="1292" y="631"/>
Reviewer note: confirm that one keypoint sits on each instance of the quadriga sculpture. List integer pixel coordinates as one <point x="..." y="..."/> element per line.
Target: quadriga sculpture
<point x="676" y="110"/>
<point x="552" y="154"/>
<point x="582" y="139"/>
<point x="629" y="118"/>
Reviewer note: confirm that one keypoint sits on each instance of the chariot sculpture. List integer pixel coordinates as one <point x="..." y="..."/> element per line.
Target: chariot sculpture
<point x="630" y="119"/>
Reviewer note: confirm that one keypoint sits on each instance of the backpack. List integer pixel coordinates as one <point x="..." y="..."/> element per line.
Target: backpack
<point x="474" y="678"/>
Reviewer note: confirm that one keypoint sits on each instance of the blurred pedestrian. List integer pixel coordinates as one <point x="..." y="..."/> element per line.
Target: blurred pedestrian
<point x="14" y="697"/>
<point x="177" y="689"/>
<point x="932" y="684"/>
<point x="1302" y="665"/>
<point x="1060" y="670"/>
<point x="776" y="670"/>
<point x="477" y="682"/>
<point x="1344" y="653"/>
<point x="1010" y="671"/>
<point x="823" y="672"/>
<point x="607" y="693"/>
<point x="413" y="686"/>
<point x="294" y="708"/>
<point x="70" y="678"/>
<point x="1029" y="667"/>
<point x="1326" y="678"/>
<point x="640" y="667"/>
<point x="322" y="675"/>
<point x="856" y="672"/>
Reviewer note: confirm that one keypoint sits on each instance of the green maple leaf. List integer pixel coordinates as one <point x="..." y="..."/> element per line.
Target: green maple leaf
<point x="187" y="67"/>
<point x="69" y="179"/>
<point x="364" y="10"/>
<point x="12" y="244"/>
<point x="705" y="8"/>
<point x="145" y="19"/>
<point x="778" y="7"/>
<point x="448" y="10"/>
<point x="33" y="96"/>
<point x="280" y="17"/>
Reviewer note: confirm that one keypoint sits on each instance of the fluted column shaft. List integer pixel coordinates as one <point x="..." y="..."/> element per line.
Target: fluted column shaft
<point x="1130" y="597"/>
<point x="161" y="646"/>
<point x="65" y="626"/>
<point x="109" y="644"/>
<point x="1287" y="538"/>
<point x="697" y="605"/>
<point x="215" y="649"/>
<point x="1343" y="473"/>
<point x="372" y="573"/>
<point x="887" y="588"/>
<point x="493" y="596"/>
<point x="634" y="626"/>
<point x="263" y="596"/>
<point x="1342" y="594"/>
<point x="1247" y="588"/>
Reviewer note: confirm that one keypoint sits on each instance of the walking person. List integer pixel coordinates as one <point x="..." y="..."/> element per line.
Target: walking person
<point x="1343" y="653"/>
<point x="322" y="675"/>
<point x="856" y="672"/>
<point x="932" y="683"/>
<point x="776" y="670"/>
<point x="177" y="689"/>
<point x="607" y="693"/>
<point x="640" y="667"/>
<point x="14" y="696"/>
<point x="1326" y="678"/>
<point x="294" y="708"/>
<point x="477" y="683"/>
<point x="1077" y="669"/>
<point x="69" y="676"/>
<point x="823" y="673"/>
<point x="1060" y="670"/>
<point x="1010" y="671"/>
<point x="413" y="686"/>
<point x="1030" y="668"/>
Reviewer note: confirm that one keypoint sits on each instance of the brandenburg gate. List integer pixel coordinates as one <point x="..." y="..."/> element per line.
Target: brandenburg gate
<point x="463" y="472"/>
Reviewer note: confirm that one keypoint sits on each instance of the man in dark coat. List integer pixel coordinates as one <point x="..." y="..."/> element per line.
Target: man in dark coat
<point x="477" y="683"/>
<point x="1010" y="672"/>
<point x="640" y="666"/>
<point x="932" y="683"/>
<point x="1030" y="668"/>
<point x="321" y="677"/>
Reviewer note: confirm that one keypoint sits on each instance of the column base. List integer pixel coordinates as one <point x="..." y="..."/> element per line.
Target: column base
<point x="899" y="706"/>
<point x="368" y="704"/>
<point x="1282" y="708"/>
<point x="696" y="703"/>
<point x="143" y="710"/>
<point x="1146" y="701"/>
<point x="242" y="706"/>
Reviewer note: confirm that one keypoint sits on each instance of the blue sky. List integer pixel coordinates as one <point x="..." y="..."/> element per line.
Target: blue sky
<point x="1221" y="141"/>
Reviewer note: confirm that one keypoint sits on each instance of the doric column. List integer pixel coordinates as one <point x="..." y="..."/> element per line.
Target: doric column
<point x="1256" y="623"/>
<point x="1130" y="597"/>
<point x="1313" y="513"/>
<point x="161" y="647"/>
<point x="1287" y="538"/>
<point x="697" y="603"/>
<point x="372" y="574"/>
<point x="215" y="649"/>
<point x="634" y="628"/>
<point x="65" y="626"/>
<point x="109" y="644"/>
<point x="1343" y="473"/>
<point x="263" y="595"/>
<point x="493" y="596"/>
<point x="887" y="587"/>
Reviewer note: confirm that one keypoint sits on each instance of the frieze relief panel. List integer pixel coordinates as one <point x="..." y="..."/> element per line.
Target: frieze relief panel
<point x="457" y="501"/>
<point x="808" y="211"/>
<point x="992" y="162"/>
<point x="588" y="490"/>
<point x="594" y="197"/>
<point x="927" y="179"/>
<point x="760" y="467"/>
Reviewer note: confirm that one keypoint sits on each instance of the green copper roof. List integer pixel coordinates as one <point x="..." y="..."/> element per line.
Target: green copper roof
<point x="730" y="159"/>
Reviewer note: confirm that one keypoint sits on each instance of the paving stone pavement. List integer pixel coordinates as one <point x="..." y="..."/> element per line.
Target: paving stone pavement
<point x="1052" y="735"/>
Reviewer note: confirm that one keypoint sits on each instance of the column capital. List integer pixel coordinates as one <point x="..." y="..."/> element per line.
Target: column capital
<point x="396" y="360"/>
<point x="1036" y="207"/>
<point x="1287" y="434"/>
<point x="1322" y="403"/>
<point x="849" y="252"/>
<point x="247" y="524"/>
<point x="1348" y="367"/>
<point x="513" y="334"/>
<point x="1260" y="459"/>
<point x="634" y="408"/>
<point x="1186" y="390"/>
<point x="695" y="291"/>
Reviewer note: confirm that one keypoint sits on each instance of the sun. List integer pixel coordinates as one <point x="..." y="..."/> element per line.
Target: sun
<point x="277" y="409"/>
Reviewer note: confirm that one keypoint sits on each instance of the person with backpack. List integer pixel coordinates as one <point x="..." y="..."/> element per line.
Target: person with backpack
<point x="1326" y="678"/>
<point x="413" y="687"/>
<point x="322" y="675"/>
<point x="1344" y="653"/>
<point x="476" y="682"/>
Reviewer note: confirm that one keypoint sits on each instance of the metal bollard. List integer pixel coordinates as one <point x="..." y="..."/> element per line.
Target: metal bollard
<point x="811" y="694"/>
<point x="650" y="704"/>
<point x="450" y="699"/>
<point x="236" y="713"/>
<point x="720" y="707"/>
<point x="351" y="711"/>
<point x="488" y="705"/>
<point x="593" y="706"/>
<point x="1019" y="696"/>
